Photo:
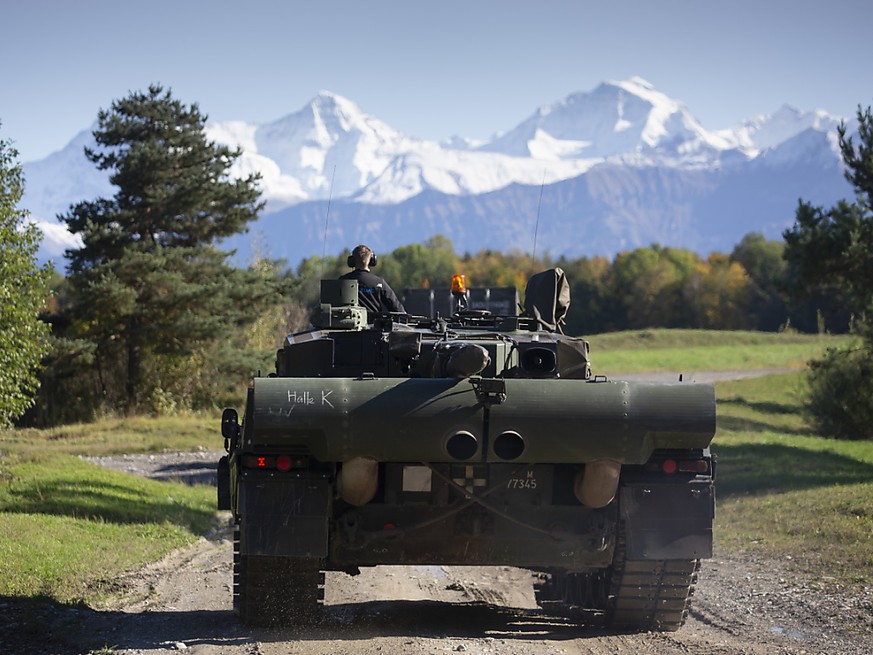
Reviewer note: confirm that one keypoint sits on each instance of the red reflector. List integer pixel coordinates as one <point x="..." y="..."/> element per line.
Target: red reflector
<point x="694" y="466"/>
<point x="262" y="462"/>
<point x="388" y="526"/>
<point x="669" y="466"/>
<point x="283" y="463"/>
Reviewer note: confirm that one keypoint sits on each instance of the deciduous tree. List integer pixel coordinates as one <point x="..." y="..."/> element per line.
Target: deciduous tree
<point x="23" y="290"/>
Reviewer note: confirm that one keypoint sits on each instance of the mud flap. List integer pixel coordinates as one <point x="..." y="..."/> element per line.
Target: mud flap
<point x="668" y="521"/>
<point x="284" y="517"/>
<point x="223" y="483"/>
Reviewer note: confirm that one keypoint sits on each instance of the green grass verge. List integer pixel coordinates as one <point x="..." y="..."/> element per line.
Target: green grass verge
<point x="69" y="527"/>
<point x="703" y="350"/>
<point x="785" y="492"/>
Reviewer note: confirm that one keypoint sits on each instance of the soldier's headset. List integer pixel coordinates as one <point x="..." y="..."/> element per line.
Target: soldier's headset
<point x="351" y="260"/>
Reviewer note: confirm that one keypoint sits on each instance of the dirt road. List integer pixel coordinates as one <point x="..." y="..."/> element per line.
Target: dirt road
<point x="183" y="604"/>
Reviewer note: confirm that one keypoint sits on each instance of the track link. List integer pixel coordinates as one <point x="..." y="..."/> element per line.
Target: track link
<point x="650" y="594"/>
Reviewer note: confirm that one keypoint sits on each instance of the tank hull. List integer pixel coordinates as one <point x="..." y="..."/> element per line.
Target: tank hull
<point x="443" y="446"/>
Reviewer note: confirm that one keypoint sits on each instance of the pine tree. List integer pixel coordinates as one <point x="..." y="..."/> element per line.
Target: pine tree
<point x="150" y="286"/>
<point x="23" y="290"/>
<point x="831" y="250"/>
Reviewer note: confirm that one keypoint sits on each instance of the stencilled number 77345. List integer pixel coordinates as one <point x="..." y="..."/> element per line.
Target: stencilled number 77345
<point x="527" y="482"/>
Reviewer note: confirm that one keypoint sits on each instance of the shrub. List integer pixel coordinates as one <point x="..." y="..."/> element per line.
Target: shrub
<point x="841" y="392"/>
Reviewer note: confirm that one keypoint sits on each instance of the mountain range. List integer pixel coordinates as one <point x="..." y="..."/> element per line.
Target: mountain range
<point x="610" y="169"/>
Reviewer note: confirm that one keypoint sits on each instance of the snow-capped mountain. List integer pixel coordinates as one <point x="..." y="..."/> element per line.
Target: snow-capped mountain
<point x="627" y="120"/>
<point x="330" y="143"/>
<point x="617" y="167"/>
<point x="762" y="132"/>
<point x="333" y="149"/>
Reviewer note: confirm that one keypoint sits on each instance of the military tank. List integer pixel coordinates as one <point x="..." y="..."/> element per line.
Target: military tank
<point x="469" y="439"/>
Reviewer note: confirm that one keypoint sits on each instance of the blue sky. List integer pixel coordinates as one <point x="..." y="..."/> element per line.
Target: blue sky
<point x="429" y="69"/>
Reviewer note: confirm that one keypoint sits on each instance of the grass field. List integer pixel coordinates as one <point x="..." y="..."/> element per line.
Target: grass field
<point x="704" y="350"/>
<point x="68" y="527"/>
<point x="113" y="436"/>
<point x="786" y="492"/>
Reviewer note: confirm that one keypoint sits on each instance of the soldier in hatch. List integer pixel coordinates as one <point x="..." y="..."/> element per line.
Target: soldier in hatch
<point x="373" y="292"/>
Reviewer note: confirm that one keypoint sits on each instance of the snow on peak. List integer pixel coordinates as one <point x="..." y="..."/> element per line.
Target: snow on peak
<point x="330" y="143"/>
<point x="767" y="131"/>
<point x="644" y="89"/>
<point x="334" y="112"/>
<point x="616" y="119"/>
<point x="329" y="97"/>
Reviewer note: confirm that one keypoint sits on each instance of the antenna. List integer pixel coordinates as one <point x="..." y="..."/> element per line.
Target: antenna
<point x="326" y="217"/>
<point x="537" y="228"/>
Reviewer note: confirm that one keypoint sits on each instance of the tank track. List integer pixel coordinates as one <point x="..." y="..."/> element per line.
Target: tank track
<point x="652" y="594"/>
<point x="272" y="591"/>
<point x="649" y="594"/>
<point x="630" y="595"/>
<point x="560" y="592"/>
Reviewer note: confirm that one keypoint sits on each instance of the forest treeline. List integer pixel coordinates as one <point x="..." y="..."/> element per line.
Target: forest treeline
<point x="749" y="288"/>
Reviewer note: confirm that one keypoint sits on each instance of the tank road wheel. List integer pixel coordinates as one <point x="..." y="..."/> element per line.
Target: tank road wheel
<point x="650" y="594"/>
<point x="276" y="590"/>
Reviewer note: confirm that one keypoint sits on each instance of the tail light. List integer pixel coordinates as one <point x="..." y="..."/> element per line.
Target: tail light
<point x="672" y="466"/>
<point x="274" y="462"/>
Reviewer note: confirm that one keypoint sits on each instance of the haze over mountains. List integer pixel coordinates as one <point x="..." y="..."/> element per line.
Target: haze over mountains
<point x="614" y="168"/>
